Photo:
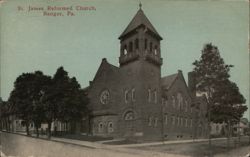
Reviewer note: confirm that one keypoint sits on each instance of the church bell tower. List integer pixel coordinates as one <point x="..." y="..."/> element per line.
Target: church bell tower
<point x="140" y="40"/>
<point x="140" y="64"/>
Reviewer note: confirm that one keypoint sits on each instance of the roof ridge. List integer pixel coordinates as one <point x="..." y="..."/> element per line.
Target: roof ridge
<point x="169" y="75"/>
<point x="168" y="80"/>
<point x="139" y="19"/>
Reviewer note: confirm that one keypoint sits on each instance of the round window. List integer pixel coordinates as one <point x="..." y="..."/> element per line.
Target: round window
<point x="104" y="97"/>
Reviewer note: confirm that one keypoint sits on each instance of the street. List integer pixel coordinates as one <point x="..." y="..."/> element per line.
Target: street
<point x="184" y="148"/>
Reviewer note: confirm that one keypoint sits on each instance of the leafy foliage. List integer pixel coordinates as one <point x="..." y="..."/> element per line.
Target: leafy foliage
<point x="25" y="98"/>
<point x="64" y="99"/>
<point x="210" y="70"/>
<point x="4" y="115"/>
<point x="212" y="78"/>
<point x="228" y="103"/>
<point x="39" y="98"/>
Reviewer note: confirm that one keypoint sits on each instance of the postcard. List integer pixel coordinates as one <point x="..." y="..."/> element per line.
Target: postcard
<point x="124" y="78"/>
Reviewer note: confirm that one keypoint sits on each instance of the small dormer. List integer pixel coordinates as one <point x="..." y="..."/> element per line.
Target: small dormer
<point x="140" y="40"/>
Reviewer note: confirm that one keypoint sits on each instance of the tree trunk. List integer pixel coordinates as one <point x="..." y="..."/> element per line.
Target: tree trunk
<point x="5" y="125"/>
<point x="66" y="128"/>
<point x="55" y="130"/>
<point x="90" y="126"/>
<point x="228" y="134"/>
<point x="209" y="120"/>
<point x="37" y="131"/>
<point x="27" y="128"/>
<point x="8" y="124"/>
<point x="49" y="130"/>
<point x="239" y="133"/>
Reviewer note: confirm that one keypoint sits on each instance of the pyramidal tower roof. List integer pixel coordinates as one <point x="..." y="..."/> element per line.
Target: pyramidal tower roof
<point x="138" y="20"/>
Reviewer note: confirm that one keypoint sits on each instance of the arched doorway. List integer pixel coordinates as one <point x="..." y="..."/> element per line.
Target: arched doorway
<point x="129" y="123"/>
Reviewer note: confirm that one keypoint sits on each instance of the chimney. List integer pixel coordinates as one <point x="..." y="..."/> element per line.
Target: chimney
<point x="192" y="83"/>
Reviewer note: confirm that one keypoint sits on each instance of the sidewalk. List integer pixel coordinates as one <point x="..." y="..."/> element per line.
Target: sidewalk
<point x="78" y="142"/>
<point x="100" y="144"/>
<point x="164" y="142"/>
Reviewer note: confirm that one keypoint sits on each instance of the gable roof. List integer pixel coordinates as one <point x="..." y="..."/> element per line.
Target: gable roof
<point x="105" y="65"/>
<point x="167" y="81"/>
<point x="138" y="20"/>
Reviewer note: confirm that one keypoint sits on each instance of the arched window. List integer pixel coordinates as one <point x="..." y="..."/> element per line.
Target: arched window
<point x="156" y="122"/>
<point x="186" y="105"/>
<point x="217" y="128"/>
<point x="125" y="52"/>
<point x="155" y="96"/>
<point x="178" y="120"/>
<point x="129" y="115"/>
<point x="173" y="101"/>
<point x="179" y="100"/>
<point x="126" y="96"/>
<point x="133" y="94"/>
<point x="150" y="119"/>
<point x="156" y="50"/>
<point x="110" y="127"/>
<point x="151" y="47"/>
<point x="164" y="102"/>
<point x="130" y="47"/>
<point x="173" y="120"/>
<point x="100" y="127"/>
<point x="146" y="44"/>
<point x="166" y="119"/>
<point x="136" y="44"/>
<point x="149" y="95"/>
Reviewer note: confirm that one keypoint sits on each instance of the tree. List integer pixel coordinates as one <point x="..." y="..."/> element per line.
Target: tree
<point x="39" y="98"/>
<point x="64" y="100"/>
<point x="21" y="98"/>
<point x="4" y="115"/>
<point x="39" y="84"/>
<point x="210" y="70"/>
<point x="25" y="98"/>
<point x="74" y="107"/>
<point x="212" y="78"/>
<point x="228" y="106"/>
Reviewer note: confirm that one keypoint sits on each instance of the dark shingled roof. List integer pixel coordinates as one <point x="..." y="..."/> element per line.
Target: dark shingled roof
<point x="138" y="20"/>
<point x="167" y="81"/>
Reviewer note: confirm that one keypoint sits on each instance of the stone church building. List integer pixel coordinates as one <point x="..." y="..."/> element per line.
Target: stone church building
<point x="134" y="101"/>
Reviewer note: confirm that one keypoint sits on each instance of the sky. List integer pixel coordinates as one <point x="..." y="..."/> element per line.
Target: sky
<point x="30" y="41"/>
